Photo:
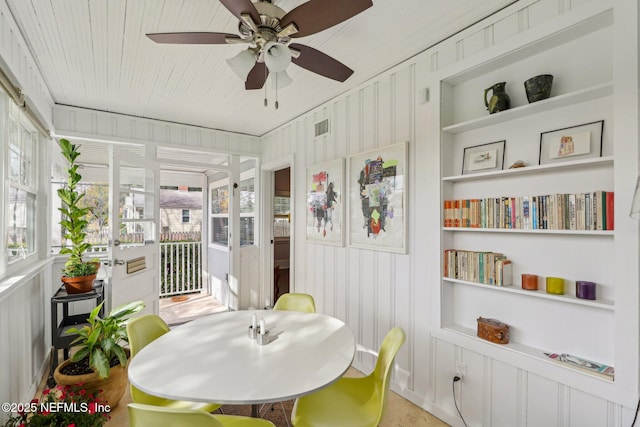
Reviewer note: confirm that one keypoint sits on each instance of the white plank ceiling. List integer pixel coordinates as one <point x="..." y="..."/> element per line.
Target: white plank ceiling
<point x="94" y="54"/>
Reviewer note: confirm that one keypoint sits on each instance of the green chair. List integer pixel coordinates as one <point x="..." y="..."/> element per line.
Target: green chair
<point x="296" y="302"/>
<point x="155" y="416"/>
<point x="141" y="331"/>
<point x="352" y="402"/>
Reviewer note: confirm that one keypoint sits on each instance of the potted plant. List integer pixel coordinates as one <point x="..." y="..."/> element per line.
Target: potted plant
<point x="78" y="275"/>
<point x="101" y="360"/>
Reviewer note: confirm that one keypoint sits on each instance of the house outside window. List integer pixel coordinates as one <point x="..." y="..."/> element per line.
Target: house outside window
<point x="185" y="215"/>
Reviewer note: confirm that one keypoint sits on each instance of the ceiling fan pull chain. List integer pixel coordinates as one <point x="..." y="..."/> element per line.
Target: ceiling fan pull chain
<point x="265" y="87"/>
<point x="276" y="75"/>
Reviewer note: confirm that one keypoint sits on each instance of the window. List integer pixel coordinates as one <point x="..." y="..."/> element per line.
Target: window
<point x="219" y="207"/>
<point x="247" y="211"/>
<point x="185" y="215"/>
<point x="22" y="192"/>
<point x="96" y="198"/>
<point x="219" y="199"/>
<point x="281" y="216"/>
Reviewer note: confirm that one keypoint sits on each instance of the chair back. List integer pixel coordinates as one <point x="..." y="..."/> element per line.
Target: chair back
<point x="296" y="302"/>
<point x="159" y="416"/>
<point x="144" y="329"/>
<point x="141" y="331"/>
<point x="392" y="342"/>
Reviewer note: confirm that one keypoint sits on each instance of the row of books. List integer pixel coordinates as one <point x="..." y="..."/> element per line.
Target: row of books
<point x="580" y="211"/>
<point x="490" y="268"/>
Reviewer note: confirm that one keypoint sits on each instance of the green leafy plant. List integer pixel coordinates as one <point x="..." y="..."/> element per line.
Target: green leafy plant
<point x="62" y="406"/>
<point x="74" y="220"/>
<point x="101" y="340"/>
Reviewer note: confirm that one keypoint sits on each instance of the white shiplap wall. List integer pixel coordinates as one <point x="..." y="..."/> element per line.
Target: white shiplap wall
<point x="373" y="291"/>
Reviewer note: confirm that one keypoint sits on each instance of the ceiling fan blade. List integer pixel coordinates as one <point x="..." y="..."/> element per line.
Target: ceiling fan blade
<point x="317" y="15"/>
<point x="193" y="38"/>
<point x="320" y="63"/>
<point x="239" y="7"/>
<point x="257" y="76"/>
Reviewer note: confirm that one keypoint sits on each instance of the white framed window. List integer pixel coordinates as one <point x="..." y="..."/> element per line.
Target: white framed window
<point x="21" y="154"/>
<point x="186" y="215"/>
<point x="219" y="208"/>
<point x="219" y="213"/>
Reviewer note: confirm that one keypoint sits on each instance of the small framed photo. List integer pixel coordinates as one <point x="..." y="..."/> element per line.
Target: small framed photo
<point x="571" y="143"/>
<point x="483" y="158"/>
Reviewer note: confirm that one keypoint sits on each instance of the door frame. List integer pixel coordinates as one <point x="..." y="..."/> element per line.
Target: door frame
<point x="267" y="173"/>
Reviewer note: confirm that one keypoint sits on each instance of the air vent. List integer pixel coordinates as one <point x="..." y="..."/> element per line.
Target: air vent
<point x="322" y="128"/>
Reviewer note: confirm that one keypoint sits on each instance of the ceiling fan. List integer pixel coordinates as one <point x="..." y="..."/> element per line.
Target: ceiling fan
<point x="268" y="30"/>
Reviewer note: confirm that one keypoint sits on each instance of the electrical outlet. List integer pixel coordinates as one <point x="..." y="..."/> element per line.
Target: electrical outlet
<point x="461" y="369"/>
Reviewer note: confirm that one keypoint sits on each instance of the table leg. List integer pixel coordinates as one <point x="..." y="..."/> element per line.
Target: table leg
<point x="254" y="410"/>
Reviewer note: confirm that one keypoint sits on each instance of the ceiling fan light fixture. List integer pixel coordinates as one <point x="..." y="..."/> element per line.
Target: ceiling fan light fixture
<point x="242" y="63"/>
<point x="276" y="57"/>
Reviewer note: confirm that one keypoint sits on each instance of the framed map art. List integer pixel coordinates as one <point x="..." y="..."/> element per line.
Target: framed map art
<point x="325" y="208"/>
<point x="378" y="199"/>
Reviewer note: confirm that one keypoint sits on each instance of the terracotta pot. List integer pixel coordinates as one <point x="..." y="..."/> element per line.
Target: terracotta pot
<point x="113" y="387"/>
<point x="78" y="285"/>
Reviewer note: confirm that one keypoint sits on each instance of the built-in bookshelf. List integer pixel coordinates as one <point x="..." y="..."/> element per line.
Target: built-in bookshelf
<point x="575" y="245"/>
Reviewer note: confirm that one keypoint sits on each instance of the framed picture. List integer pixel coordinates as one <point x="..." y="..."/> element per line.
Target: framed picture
<point x="378" y="199"/>
<point x="483" y="158"/>
<point x="572" y="143"/>
<point x="325" y="208"/>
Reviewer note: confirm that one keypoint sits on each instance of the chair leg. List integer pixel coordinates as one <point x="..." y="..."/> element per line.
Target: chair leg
<point x="264" y="407"/>
<point x="286" y="418"/>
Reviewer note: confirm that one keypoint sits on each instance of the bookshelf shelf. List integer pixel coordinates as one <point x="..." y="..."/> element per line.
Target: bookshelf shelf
<point x="588" y="94"/>
<point x="517" y="349"/>
<point x="604" y="233"/>
<point x="540" y="293"/>
<point x="604" y="161"/>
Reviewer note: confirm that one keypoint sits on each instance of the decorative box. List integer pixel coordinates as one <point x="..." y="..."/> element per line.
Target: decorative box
<point x="493" y="330"/>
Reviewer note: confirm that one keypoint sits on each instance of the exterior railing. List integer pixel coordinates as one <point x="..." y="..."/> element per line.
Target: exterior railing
<point x="180" y="271"/>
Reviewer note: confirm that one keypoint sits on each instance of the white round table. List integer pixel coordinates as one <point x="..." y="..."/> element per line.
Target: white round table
<point x="212" y="359"/>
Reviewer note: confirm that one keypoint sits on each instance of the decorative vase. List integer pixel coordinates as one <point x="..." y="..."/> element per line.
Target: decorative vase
<point x="538" y="87"/>
<point x="499" y="100"/>
<point x="78" y="285"/>
<point x="110" y="389"/>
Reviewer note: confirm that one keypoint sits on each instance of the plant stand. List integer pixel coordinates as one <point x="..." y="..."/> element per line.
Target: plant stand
<point x="59" y="338"/>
